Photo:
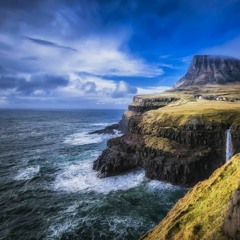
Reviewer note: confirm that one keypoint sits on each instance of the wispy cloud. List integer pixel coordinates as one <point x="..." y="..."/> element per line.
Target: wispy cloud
<point x="229" y="48"/>
<point x="94" y="56"/>
<point x="152" y="90"/>
<point x="50" y="44"/>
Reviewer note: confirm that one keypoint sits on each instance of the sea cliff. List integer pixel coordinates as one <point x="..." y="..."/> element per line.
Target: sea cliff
<point x="175" y="136"/>
<point x="183" y="136"/>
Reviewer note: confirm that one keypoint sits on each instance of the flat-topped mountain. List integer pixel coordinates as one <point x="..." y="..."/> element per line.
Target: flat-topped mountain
<point x="208" y="69"/>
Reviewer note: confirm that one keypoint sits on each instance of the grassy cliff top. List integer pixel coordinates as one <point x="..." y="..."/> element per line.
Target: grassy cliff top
<point x="200" y="214"/>
<point x="192" y="112"/>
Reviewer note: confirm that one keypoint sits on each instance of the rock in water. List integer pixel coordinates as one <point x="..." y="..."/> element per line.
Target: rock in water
<point x="207" y="69"/>
<point x="107" y="130"/>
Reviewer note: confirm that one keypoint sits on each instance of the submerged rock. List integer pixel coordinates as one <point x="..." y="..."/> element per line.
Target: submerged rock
<point x="107" y="130"/>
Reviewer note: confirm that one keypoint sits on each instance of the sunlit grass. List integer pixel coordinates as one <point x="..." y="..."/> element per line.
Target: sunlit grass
<point x="200" y="214"/>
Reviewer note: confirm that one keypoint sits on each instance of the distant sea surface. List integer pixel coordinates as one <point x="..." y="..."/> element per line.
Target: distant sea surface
<point x="48" y="189"/>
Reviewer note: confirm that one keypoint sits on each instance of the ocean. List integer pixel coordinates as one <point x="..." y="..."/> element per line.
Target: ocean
<point x="48" y="189"/>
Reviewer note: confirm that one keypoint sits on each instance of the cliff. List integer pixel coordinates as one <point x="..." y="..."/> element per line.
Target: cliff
<point x="210" y="210"/>
<point x="207" y="69"/>
<point x="182" y="136"/>
<point x="182" y="140"/>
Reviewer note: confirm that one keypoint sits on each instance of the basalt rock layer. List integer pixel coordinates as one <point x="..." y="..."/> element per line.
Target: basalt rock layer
<point x="207" y="69"/>
<point x="182" y="141"/>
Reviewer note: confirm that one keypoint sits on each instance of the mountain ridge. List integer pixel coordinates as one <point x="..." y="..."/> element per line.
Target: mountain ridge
<point x="210" y="69"/>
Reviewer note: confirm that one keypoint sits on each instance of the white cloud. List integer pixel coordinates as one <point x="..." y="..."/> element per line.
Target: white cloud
<point x="152" y="90"/>
<point x="86" y="67"/>
<point x="94" y="56"/>
<point x="96" y="88"/>
<point x="122" y="89"/>
<point x="3" y="101"/>
<point x="230" y="48"/>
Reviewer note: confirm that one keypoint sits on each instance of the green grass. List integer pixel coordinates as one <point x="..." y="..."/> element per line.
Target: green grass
<point x="200" y="214"/>
<point x="160" y="143"/>
<point x="185" y="112"/>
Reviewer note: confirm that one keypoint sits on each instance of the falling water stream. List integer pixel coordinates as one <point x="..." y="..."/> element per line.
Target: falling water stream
<point x="229" y="146"/>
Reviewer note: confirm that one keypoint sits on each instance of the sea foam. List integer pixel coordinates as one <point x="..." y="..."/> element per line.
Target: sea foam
<point x="84" y="138"/>
<point x="81" y="177"/>
<point x="103" y="124"/>
<point x="27" y="173"/>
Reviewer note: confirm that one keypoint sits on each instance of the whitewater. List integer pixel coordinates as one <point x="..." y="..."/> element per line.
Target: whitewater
<point x="49" y="190"/>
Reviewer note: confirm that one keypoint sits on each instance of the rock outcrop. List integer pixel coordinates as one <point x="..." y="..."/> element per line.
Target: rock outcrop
<point x="232" y="219"/>
<point x="107" y="130"/>
<point x="210" y="210"/>
<point x="181" y="143"/>
<point x="179" y="136"/>
<point x="207" y="69"/>
<point x="140" y="105"/>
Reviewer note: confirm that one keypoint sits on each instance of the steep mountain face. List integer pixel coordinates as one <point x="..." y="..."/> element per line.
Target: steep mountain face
<point x="182" y="142"/>
<point x="210" y="210"/>
<point x="207" y="69"/>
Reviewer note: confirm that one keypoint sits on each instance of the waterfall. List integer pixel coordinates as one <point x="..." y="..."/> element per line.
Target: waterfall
<point x="229" y="146"/>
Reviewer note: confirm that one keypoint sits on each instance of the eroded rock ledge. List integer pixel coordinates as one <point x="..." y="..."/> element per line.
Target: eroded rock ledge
<point x="180" y="140"/>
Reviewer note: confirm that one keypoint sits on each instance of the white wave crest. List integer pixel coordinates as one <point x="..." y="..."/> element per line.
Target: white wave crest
<point x="158" y="185"/>
<point x="85" y="138"/>
<point x="56" y="230"/>
<point x="81" y="177"/>
<point x="103" y="124"/>
<point x="27" y="173"/>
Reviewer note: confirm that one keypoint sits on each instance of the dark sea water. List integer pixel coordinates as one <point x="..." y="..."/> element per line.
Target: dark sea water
<point x="48" y="189"/>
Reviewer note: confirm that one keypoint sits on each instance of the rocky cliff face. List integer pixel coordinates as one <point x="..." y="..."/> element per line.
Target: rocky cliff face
<point x="207" y="69"/>
<point x="232" y="219"/>
<point x="181" y="142"/>
<point x="180" y="136"/>
<point x="140" y="105"/>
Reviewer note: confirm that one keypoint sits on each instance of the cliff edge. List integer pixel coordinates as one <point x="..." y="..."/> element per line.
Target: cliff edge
<point x="210" y="210"/>
<point x="180" y="136"/>
<point x="182" y="140"/>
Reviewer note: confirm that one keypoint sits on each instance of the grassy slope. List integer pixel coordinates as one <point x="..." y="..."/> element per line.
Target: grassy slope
<point x="200" y="214"/>
<point x="202" y="111"/>
<point x="188" y="110"/>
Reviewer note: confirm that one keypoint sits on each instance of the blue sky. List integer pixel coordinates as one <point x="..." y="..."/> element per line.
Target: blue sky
<point x="99" y="53"/>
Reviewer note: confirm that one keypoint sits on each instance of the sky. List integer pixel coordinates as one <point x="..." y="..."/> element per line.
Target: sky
<point x="98" y="54"/>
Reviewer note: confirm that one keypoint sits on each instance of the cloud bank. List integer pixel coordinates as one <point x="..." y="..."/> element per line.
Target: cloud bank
<point x="97" y="53"/>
